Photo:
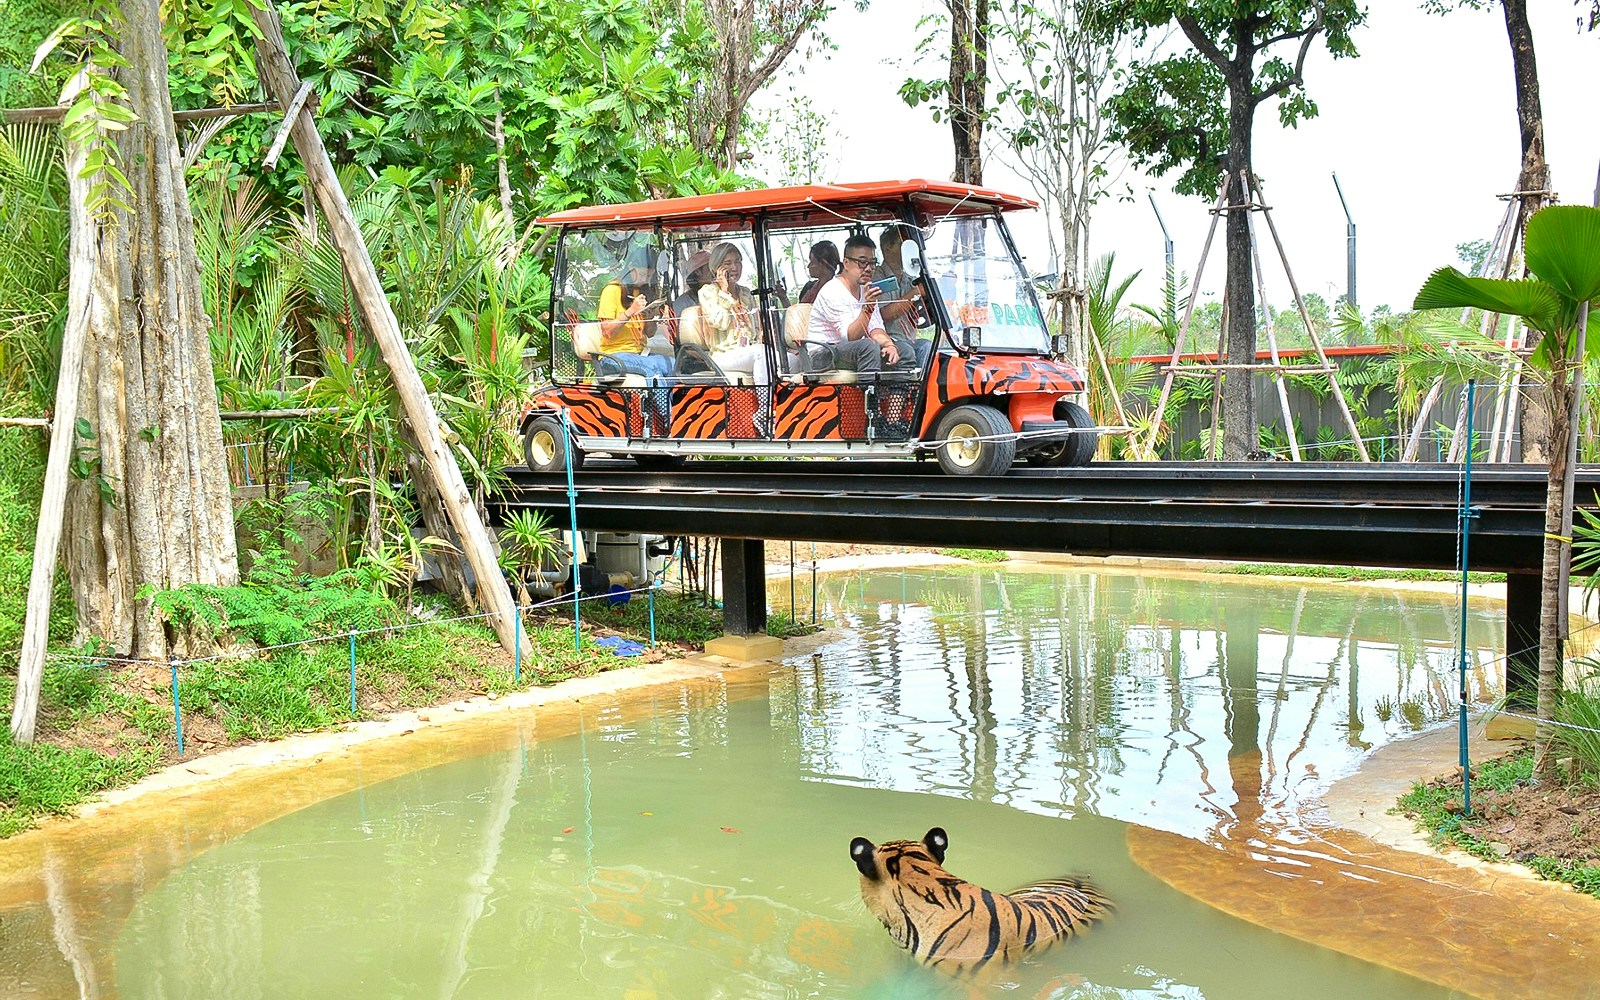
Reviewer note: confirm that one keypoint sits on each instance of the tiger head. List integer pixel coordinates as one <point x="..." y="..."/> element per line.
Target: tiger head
<point x="899" y="880"/>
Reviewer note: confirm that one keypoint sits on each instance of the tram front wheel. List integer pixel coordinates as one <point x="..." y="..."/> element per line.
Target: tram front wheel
<point x="544" y="446"/>
<point x="975" y="441"/>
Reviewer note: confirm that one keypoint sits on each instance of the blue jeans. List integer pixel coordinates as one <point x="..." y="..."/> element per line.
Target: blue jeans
<point x="654" y="367"/>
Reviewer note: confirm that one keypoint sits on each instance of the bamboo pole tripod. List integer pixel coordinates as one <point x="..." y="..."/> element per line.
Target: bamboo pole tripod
<point x="1255" y="201"/>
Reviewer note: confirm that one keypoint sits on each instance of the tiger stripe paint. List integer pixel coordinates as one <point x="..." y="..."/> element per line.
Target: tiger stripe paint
<point x="955" y="378"/>
<point x="954" y="925"/>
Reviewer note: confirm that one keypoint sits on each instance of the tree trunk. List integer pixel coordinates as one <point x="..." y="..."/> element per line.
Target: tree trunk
<point x="1533" y="182"/>
<point x="1551" y="626"/>
<point x="156" y="509"/>
<point x="969" y="80"/>
<point x="1240" y="435"/>
<point x="47" y="538"/>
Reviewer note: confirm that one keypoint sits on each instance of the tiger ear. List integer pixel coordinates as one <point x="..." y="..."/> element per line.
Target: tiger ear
<point x="861" y="852"/>
<point x="936" y="841"/>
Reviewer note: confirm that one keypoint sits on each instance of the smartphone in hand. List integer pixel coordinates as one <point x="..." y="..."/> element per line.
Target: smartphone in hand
<point x="887" y="287"/>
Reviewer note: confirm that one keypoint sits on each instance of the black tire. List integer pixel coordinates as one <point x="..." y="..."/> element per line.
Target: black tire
<point x="544" y="446"/>
<point x="977" y="442"/>
<point x="1080" y="448"/>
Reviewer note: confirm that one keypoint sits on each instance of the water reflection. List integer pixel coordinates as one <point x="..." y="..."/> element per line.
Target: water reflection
<point x="1198" y="706"/>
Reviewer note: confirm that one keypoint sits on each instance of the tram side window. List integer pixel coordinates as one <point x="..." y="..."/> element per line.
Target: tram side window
<point x="717" y="309"/>
<point x="803" y="261"/>
<point x="611" y="298"/>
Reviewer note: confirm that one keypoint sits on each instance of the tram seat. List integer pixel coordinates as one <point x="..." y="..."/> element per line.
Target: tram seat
<point x="586" y="340"/>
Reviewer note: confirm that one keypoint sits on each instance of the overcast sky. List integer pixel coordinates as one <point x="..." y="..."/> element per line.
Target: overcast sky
<point x="1421" y="129"/>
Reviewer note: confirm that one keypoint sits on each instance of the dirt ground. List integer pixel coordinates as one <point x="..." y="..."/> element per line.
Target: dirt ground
<point x="1535" y="821"/>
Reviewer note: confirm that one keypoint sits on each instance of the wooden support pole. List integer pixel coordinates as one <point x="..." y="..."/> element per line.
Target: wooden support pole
<point x="278" y="75"/>
<point x="1183" y="328"/>
<point x="52" y="507"/>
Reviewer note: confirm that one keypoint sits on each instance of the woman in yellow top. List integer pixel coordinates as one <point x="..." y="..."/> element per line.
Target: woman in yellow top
<point x="623" y="337"/>
<point x="728" y="317"/>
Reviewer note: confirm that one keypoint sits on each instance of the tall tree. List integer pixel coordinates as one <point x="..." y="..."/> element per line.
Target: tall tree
<point x="1169" y="114"/>
<point x="739" y="45"/>
<point x="149" y="507"/>
<point x="961" y="97"/>
<point x="1533" y="175"/>
<point x="1054" y="64"/>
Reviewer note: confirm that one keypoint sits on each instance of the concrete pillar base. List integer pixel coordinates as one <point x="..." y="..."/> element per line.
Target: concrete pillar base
<point x="1504" y="727"/>
<point x="746" y="647"/>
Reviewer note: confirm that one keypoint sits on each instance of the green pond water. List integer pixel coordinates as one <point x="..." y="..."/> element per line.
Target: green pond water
<point x="703" y="851"/>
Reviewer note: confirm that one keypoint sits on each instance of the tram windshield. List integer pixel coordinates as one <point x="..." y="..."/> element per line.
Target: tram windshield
<point x="983" y="284"/>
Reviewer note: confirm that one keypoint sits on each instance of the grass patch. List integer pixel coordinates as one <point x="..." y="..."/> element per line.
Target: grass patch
<point x="1356" y="573"/>
<point x="976" y="555"/>
<point x="39" y="780"/>
<point x="684" y="619"/>
<point x="1436" y="807"/>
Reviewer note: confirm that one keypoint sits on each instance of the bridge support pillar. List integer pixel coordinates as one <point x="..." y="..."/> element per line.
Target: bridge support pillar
<point x="1522" y="655"/>
<point x="744" y="603"/>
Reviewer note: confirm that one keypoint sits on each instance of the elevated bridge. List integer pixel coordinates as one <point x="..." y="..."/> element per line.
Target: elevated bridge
<point x="1342" y="514"/>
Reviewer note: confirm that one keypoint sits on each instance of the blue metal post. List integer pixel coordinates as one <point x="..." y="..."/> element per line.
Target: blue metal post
<point x="1466" y="522"/>
<point x="352" y="673"/>
<point x="572" y="510"/>
<point x="516" y="655"/>
<point x="177" y="709"/>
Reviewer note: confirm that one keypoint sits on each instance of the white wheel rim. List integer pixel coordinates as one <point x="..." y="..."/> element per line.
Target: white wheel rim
<point x="542" y="447"/>
<point x="964" y="448"/>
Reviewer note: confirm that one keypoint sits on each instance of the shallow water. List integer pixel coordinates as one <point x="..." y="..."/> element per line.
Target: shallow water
<point x="1042" y="719"/>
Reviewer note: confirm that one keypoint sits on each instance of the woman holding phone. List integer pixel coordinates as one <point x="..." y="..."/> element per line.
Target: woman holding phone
<point x="728" y="316"/>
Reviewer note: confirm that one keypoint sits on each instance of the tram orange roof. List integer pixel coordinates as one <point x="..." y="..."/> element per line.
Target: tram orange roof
<point x="969" y="199"/>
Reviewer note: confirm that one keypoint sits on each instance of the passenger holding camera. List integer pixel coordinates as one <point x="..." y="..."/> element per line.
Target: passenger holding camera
<point x="845" y="316"/>
<point x="624" y="340"/>
<point x="902" y="307"/>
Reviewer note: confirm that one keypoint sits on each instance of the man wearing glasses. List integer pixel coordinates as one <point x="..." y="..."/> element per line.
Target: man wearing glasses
<point x="845" y="316"/>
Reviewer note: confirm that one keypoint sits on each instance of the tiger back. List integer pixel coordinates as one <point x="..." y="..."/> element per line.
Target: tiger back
<point x="948" y="922"/>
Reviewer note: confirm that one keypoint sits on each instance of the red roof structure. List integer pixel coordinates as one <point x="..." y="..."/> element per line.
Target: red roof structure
<point x="963" y="199"/>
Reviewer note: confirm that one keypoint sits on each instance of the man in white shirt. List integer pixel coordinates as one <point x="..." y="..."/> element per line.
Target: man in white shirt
<point x="845" y="316"/>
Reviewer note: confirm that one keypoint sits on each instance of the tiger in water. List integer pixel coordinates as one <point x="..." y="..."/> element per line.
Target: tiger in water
<point x="947" y="922"/>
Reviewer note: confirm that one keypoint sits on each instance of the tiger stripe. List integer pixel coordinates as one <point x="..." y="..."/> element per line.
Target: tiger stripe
<point x="950" y="923"/>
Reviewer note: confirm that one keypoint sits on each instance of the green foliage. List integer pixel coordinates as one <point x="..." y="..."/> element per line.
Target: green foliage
<point x="38" y="780"/>
<point x="781" y="626"/>
<point x="33" y="264"/>
<point x="1354" y="573"/>
<point x="270" y="608"/>
<point x="1563" y="254"/>
<point x="1579" y="738"/>
<point x="21" y="479"/>
<point x="1172" y="113"/>
<point x="975" y="555"/>
<point x="680" y="618"/>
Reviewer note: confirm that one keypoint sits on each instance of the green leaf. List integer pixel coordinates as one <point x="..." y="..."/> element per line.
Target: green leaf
<point x="84" y="429"/>
<point x="1563" y="248"/>
<point x="1531" y="299"/>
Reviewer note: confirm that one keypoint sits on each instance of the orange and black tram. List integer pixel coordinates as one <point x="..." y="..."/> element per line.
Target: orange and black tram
<point x="827" y="321"/>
